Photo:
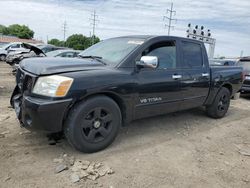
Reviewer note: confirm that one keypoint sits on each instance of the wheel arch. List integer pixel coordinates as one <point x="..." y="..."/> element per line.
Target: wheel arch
<point x="229" y="87"/>
<point x="118" y="100"/>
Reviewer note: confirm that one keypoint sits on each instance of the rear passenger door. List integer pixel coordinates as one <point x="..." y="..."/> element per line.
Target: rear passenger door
<point x="195" y="74"/>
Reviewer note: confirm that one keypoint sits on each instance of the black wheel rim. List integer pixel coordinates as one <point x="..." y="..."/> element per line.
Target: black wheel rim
<point x="97" y="125"/>
<point x="223" y="103"/>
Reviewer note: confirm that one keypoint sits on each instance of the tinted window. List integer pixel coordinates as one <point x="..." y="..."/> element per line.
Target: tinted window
<point x="192" y="54"/>
<point x="67" y="54"/>
<point x="166" y="53"/>
<point x="15" y="46"/>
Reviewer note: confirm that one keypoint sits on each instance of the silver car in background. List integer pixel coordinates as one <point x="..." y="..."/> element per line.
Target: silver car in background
<point x="64" y="53"/>
<point x="10" y="47"/>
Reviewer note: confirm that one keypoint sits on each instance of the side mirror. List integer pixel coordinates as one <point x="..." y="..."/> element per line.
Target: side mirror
<point x="148" y="62"/>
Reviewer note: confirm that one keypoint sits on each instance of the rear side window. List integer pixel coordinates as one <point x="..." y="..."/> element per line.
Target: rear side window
<point x="192" y="54"/>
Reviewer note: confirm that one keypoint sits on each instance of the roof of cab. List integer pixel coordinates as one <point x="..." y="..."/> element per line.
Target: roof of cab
<point x="147" y="37"/>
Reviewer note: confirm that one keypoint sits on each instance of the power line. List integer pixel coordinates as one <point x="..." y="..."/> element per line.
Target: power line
<point x="94" y="20"/>
<point x="170" y="13"/>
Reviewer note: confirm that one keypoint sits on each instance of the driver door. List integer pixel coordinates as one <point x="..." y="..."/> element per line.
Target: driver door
<point x="159" y="88"/>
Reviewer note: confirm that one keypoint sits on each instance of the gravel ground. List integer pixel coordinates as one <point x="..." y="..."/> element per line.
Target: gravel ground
<point x="184" y="149"/>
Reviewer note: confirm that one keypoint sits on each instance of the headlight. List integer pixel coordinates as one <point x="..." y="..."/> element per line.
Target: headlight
<point x="53" y="86"/>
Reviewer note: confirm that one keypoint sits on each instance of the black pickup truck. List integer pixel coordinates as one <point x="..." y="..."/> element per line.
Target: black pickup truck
<point x="116" y="81"/>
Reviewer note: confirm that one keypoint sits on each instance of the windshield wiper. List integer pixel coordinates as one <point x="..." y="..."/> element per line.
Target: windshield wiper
<point x="97" y="58"/>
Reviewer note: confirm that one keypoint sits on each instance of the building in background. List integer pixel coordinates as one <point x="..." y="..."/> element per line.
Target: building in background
<point x="5" y="39"/>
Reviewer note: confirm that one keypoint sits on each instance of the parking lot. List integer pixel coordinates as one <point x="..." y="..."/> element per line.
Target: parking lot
<point x="184" y="149"/>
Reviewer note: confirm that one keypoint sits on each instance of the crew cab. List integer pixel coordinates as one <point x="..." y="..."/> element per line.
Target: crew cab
<point x="117" y="81"/>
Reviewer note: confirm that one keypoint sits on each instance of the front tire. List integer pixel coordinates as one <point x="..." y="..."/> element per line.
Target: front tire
<point x="220" y="105"/>
<point x="92" y="125"/>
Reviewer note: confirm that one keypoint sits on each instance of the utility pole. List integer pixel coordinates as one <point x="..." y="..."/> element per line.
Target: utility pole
<point x="169" y="17"/>
<point x="94" y="20"/>
<point x="64" y="31"/>
<point x="241" y="53"/>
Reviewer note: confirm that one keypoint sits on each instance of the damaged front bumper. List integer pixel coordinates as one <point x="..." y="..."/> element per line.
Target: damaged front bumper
<point x="40" y="114"/>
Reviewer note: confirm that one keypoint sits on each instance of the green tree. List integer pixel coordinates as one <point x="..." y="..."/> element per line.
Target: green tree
<point x="77" y="42"/>
<point x="95" y="38"/>
<point x="56" y="42"/>
<point x="4" y="30"/>
<point x="20" y="31"/>
<point x="80" y="42"/>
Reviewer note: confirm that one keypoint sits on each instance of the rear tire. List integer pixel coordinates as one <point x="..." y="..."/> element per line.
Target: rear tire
<point x="92" y="125"/>
<point x="220" y="105"/>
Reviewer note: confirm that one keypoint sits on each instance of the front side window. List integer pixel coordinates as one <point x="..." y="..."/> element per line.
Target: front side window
<point x="192" y="54"/>
<point x="165" y="52"/>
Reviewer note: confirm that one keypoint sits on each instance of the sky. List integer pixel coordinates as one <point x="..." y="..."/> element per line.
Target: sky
<point x="228" y="20"/>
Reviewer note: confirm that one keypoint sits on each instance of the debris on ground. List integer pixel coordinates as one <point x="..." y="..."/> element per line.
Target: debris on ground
<point x="58" y="160"/>
<point x="246" y="178"/>
<point x="4" y="118"/>
<point x="7" y="178"/>
<point x="90" y="170"/>
<point x="81" y="169"/>
<point x="221" y="153"/>
<point x="2" y="134"/>
<point x="74" y="178"/>
<point x="246" y="153"/>
<point x="242" y="151"/>
<point x="60" y="168"/>
<point x="5" y="132"/>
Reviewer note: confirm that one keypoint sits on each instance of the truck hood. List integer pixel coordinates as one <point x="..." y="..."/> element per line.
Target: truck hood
<point x="47" y="66"/>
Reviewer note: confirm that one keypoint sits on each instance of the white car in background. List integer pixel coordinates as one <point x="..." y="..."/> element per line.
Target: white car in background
<point x="4" y="50"/>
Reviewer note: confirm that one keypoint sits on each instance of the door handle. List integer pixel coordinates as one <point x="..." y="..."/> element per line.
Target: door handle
<point x="176" y="76"/>
<point x="205" y="74"/>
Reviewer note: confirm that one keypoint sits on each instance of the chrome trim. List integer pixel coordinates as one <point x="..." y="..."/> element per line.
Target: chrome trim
<point x="176" y="76"/>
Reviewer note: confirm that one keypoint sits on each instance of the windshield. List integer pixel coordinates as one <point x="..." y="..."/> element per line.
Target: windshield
<point x="113" y="51"/>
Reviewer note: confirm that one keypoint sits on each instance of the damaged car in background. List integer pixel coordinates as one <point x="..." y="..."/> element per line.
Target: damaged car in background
<point x="11" y="47"/>
<point x="28" y="51"/>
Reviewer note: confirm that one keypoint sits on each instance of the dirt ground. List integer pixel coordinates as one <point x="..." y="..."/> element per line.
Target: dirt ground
<point x="184" y="149"/>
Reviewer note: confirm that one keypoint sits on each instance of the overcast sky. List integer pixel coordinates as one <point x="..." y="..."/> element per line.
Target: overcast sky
<point x="229" y="20"/>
